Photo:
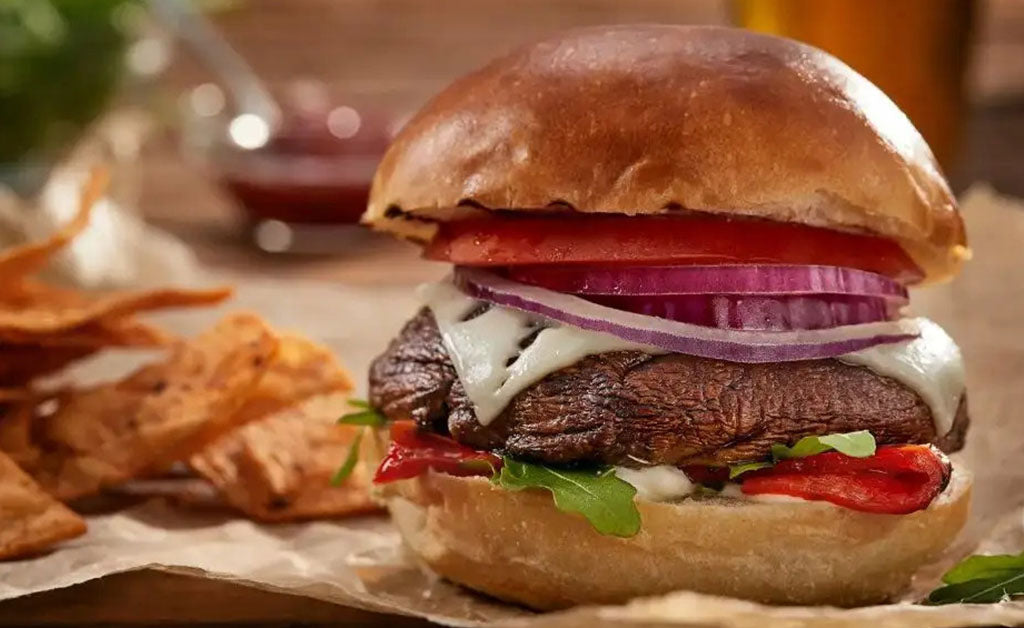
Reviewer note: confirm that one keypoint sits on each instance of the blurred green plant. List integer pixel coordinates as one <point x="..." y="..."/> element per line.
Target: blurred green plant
<point x="60" y="65"/>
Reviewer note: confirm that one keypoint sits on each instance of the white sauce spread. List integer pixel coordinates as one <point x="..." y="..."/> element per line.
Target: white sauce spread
<point x="930" y="365"/>
<point x="486" y="353"/>
<point x="662" y="483"/>
<point x="665" y="483"/>
<point x="734" y="491"/>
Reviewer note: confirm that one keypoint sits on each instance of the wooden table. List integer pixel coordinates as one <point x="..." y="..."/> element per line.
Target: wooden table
<point x="146" y="598"/>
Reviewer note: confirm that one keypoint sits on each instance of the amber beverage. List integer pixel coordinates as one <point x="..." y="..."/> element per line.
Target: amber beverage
<point x="914" y="50"/>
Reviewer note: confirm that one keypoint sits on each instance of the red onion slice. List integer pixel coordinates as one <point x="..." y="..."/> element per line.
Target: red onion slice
<point x="679" y="337"/>
<point x="756" y="312"/>
<point x="761" y="279"/>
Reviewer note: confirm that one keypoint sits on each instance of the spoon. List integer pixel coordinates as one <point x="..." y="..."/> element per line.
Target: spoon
<point x="257" y="114"/>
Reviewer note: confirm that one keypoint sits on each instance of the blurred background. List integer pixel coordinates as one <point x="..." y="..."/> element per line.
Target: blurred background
<point x="249" y="129"/>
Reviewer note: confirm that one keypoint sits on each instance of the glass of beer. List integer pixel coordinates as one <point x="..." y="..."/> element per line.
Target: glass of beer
<point x="916" y="51"/>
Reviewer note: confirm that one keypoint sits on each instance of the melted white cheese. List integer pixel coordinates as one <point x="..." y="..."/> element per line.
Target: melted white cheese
<point x="930" y="365"/>
<point x="662" y="483"/>
<point x="486" y="353"/>
<point x="665" y="483"/>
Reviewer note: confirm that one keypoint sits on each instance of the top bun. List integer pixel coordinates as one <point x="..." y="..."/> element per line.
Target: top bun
<point x="658" y="119"/>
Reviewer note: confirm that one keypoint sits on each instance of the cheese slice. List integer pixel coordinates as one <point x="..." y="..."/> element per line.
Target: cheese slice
<point x="486" y="350"/>
<point x="931" y="365"/>
<point x="487" y="353"/>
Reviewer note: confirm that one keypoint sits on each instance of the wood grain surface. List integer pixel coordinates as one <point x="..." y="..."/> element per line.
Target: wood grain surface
<point x="146" y="598"/>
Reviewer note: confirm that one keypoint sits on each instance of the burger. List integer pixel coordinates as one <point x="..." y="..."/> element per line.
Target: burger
<point x="674" y="350"/>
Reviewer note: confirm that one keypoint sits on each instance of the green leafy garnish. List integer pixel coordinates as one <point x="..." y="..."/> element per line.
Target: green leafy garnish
<point x="974" y="567"/>
<point x="736" y="470"/>
<point x="981" y="580"/>
<point x="603" y="499"/>
<point x="350" y="461"/>
<point x="366" y="415"/>
<point x="859" y="444"/>
<point x="482" y="466"/>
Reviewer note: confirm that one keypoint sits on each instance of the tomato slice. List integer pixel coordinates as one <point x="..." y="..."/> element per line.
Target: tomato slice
<point x="652" y="240"/>
<point x="413" y="451"/>
<point x="896" y="480"/>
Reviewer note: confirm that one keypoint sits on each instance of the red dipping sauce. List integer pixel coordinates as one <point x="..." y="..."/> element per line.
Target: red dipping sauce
<point x="315" y="169"/>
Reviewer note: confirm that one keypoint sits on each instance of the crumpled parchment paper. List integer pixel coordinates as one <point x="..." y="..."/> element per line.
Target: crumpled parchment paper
<point x="359" y="562"/>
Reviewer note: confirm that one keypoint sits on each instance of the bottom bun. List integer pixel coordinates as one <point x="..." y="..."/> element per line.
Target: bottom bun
<point x="518" y="547"/>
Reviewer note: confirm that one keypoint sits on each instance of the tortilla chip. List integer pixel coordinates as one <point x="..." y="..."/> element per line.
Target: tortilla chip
<point x="31" y="293"/>
<point x="21" y="261"/>
<point x="15" y="394"/>
<point x="300" y="370"/>
<point x="19" y="365"/>
<point x="280" y="468"/>
<point x="121" y="332"/>
<point x="160" y="413"/>
<point x="193" y="492"/>
<point x="47" y="316"/>
<point x="30" y="520"/>
<point x="16" y="431"/>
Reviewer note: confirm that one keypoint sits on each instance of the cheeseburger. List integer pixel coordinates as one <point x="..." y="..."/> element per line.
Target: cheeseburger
<point x="674" y="350"/>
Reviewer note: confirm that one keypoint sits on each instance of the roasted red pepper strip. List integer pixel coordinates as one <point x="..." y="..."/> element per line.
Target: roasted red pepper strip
<point x="413" y="451"/>
<point x="896" y="480"/>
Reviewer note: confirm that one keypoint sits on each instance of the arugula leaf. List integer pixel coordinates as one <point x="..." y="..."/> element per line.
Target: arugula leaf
<point x="983" y="591"/>
<point x="860" y="444"/>
<point x="736" y="470"/>
<point x="366" y="416"/>
<point x="981" y="580"/>
<point x="350" y="461"/>
<point x="483" y="466"/>
<point x="974" y="567"/>
<point x="603" y="499"/>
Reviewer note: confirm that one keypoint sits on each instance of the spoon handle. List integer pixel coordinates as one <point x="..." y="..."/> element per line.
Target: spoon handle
<point x="246" y="88"/>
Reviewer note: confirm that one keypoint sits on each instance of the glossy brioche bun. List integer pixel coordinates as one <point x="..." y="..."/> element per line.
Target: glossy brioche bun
<point x="516" y="546"/>
<point x="654" y="119"/>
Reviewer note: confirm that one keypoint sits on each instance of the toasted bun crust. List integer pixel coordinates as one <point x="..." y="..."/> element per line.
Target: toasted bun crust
<point x="653" y="119"/>
<point x="518" y="547"/>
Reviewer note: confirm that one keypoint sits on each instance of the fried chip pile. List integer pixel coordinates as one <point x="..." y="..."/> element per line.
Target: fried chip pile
<point x="47" y="317"/>
<point x="44" y="328"/>
<point x="251" y="411"/>
<point x="108" y="434"/>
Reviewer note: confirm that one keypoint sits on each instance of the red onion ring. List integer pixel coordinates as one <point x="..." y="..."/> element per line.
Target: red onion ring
<point x="679" y="337"/>
<point x="760" y="279"/>
<point x="756" y="312"/>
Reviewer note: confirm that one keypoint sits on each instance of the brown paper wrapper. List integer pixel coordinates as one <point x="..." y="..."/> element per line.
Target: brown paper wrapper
<point x="360" y="562"/>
